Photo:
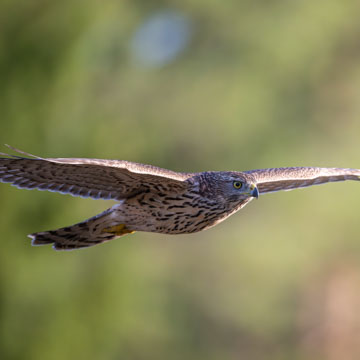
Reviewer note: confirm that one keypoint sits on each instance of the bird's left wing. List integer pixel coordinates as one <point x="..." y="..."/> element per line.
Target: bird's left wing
<point x="94" y="178"/>
<point x="277" y="179"/>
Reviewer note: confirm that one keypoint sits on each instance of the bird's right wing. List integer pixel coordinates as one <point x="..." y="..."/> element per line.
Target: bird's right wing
<point x="94" y="178"/>
<point x="277" y="179"/>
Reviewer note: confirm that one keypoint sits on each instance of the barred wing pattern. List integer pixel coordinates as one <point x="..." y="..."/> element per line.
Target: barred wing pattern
<point x="93" y="178"/>
<point x="277" y="179"/>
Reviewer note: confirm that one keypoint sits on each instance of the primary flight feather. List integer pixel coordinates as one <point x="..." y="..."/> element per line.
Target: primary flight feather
<point x="150" y="198"/>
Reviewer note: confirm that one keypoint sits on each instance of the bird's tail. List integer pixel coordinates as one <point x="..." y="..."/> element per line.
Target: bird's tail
<point x="93" y="231"/>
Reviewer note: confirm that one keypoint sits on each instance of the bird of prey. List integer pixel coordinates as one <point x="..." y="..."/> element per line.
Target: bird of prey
<point x="150" y="198"/>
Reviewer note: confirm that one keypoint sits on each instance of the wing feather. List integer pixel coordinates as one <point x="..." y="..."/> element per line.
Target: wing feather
<point x="94" y="178"/>
<point x="277" y="179"/>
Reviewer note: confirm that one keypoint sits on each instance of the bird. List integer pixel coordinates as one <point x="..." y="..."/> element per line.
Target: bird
<point x="149" y="198"/>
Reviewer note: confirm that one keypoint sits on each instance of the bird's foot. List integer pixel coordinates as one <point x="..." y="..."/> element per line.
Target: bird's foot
<point x="118" y="230"/>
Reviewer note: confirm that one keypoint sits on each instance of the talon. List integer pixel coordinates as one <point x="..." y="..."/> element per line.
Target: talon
<point x="119" y="230"/>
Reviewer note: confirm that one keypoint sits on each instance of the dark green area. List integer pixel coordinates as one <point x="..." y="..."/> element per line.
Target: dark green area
<point x="262" y="84"/>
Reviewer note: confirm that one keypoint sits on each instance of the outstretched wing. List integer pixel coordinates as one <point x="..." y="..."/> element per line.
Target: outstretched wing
<point x="271" y="180"/>
<point x="94" y="178"/>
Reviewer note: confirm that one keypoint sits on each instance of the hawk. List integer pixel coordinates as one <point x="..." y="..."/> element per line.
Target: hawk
<point x="150" y="198"/>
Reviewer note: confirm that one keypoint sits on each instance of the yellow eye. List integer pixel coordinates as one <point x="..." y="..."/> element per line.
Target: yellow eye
<point x="237" y="184"/>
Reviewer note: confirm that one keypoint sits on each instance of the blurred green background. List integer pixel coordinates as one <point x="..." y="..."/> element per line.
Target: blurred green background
<point x="189" y="85"/>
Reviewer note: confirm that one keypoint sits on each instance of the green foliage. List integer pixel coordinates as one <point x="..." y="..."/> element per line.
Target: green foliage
<point x="262" y="84"/>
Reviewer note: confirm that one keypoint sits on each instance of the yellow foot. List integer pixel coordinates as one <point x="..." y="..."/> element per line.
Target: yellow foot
<point x="118" y="230"/>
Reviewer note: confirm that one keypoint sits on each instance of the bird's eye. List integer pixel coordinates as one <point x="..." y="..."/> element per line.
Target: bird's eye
<point x="237" y="184"/>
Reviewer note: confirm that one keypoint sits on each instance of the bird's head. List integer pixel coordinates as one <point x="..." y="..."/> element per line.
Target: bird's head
<point x="231" y="186"/>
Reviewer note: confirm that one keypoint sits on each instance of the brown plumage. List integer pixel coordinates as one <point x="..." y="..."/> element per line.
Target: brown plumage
<point x="150" y="198"/>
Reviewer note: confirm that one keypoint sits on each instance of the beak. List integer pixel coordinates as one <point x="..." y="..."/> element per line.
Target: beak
<point x="254" y="191"/>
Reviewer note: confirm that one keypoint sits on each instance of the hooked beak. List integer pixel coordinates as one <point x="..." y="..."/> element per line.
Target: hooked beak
<point x="254" y="191"/>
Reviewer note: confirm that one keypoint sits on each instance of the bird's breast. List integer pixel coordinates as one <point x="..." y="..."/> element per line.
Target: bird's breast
<point x="174" y="213"/>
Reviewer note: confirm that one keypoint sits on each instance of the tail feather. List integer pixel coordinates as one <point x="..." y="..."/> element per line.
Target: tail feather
<point x="67" y="241"/>
<point x="93" y="231"/>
